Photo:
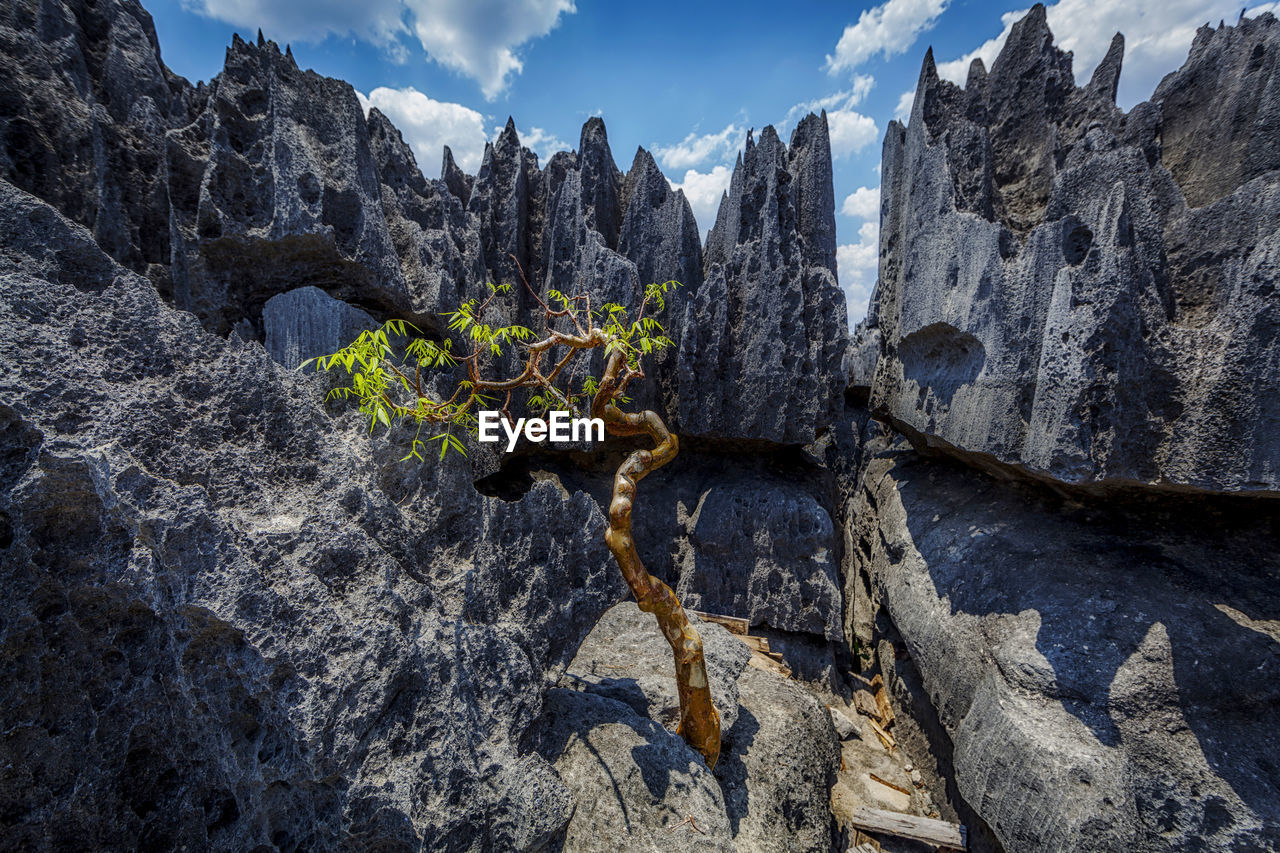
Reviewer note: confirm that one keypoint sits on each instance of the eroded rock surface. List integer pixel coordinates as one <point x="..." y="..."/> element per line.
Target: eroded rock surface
<point x="274" y="186"/>
<point x="305" y="323"/>
<point x="764" y="336"/>
<point x="1081" y="293"/>
<point x="636" y="782"/>
<point x="233" y="621"/>
<point x="84" y="105"/>
<point x="1109" y="677"/>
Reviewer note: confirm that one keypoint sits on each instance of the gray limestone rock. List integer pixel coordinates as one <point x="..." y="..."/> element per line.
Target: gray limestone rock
<point x="274" y="186"/>
<point x="749" y="536"/>
<point x="764" y="551"/>
<point x="779" y="754"/>
<point x="763" y="337"/>
<point x="636" y="787"/>
<point x="1080" y="294"/>
<point x="233" y="620"/>
<point x="83" y="117"/>
<point x="626" y="658"/>
<point x="1106" y="673"/>
<point x="307" y="322"/>
<point x="660" y="236"/>
<point x="435" y="238"/>
<point x="507" y="198"/>
<point x="778" y="764"/>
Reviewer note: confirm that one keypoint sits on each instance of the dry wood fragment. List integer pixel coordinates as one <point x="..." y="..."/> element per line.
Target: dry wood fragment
<point x="889" y="784"/>
<point x="939" y="833"/>
<point x="882" y="702"/>
<point x="733" y="623"/>
<point x="886" y="738"/>
<point x="756" y="644"/>
<point x="768" y="664"/>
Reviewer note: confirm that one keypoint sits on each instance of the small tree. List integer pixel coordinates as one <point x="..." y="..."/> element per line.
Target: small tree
<point x="389" y="386"/>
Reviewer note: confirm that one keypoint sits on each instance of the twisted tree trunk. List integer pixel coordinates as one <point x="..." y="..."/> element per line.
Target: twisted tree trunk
<point x="699" y="721"/>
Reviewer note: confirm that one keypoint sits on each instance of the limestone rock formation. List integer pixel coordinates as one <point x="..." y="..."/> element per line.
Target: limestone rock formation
<point x="763" y="550"/>
<point x="84" y="105"/>
<point x="305" y="323"/>
<point x="270" y="178"/>
<point x="753" y="537"/>
<point x="1109" y="679"/>
<point x="274" y="186"/>
<point x="233" y="621"/>
<point x="435" y="238"/>
<point x="1083" y="294"/>
<point x="635" y="782"/>
<point x="764" y="336"/>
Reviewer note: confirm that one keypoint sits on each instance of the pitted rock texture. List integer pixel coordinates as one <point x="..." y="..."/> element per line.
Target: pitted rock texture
<point x="232" y="621"/>
<point x="434" y="237"/>
<point x="1108" y="675"/>
<point x="635" y="781"/>
<point x="274" y="186"/>
<point x="1084" y="294"/>
<point x="84" y="105"/>
<point x="763" y="550"/>
<point x="762" y="340"/>
<point x="753" y="537"/>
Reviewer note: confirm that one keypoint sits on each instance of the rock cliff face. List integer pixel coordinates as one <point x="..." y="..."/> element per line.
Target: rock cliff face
<point x="84" y="105"/>
<point x="1077" y="297"/>
<point x="764" y="337"/>
<point x="1081" y="293"/>
<point x="1108" y="680"/>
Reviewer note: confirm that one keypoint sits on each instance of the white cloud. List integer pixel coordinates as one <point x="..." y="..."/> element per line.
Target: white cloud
<point x="902" y="112"/>
<point x="695" y="149"/>
<point x="887" y="29"/>
<point x="376" y="21"/>
<point x="843" y="100"/>
<point x="428" y="125"/>
<point x="704" y="190"/>
<point x="850" y="131"/>
<point x="1158" y="34"/>
<point x="863" y="203"/>
<point x="539" y="141"/>
<point x="856" y="266"/>
<point x="477" y="38"/>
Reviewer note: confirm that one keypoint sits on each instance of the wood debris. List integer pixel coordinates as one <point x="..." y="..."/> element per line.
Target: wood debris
<point x="734" y="624"/>
<point x="888" y="784"/>
<point x="939" y="833"/>
<point x="885" y="738"/>
<point x="882" y="702"/>
<point x="762" y="657"/>
<point x="769" y="664"/>
<point x="865" y="703"/>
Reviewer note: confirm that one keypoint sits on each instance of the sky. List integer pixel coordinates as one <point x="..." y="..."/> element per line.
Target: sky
<point x="686" y="80"/>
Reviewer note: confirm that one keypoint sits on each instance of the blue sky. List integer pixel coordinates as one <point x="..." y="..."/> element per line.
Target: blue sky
<point x="684" y="79"/>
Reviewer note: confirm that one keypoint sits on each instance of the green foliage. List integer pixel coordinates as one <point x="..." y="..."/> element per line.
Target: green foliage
<point x="386" y="378"/>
